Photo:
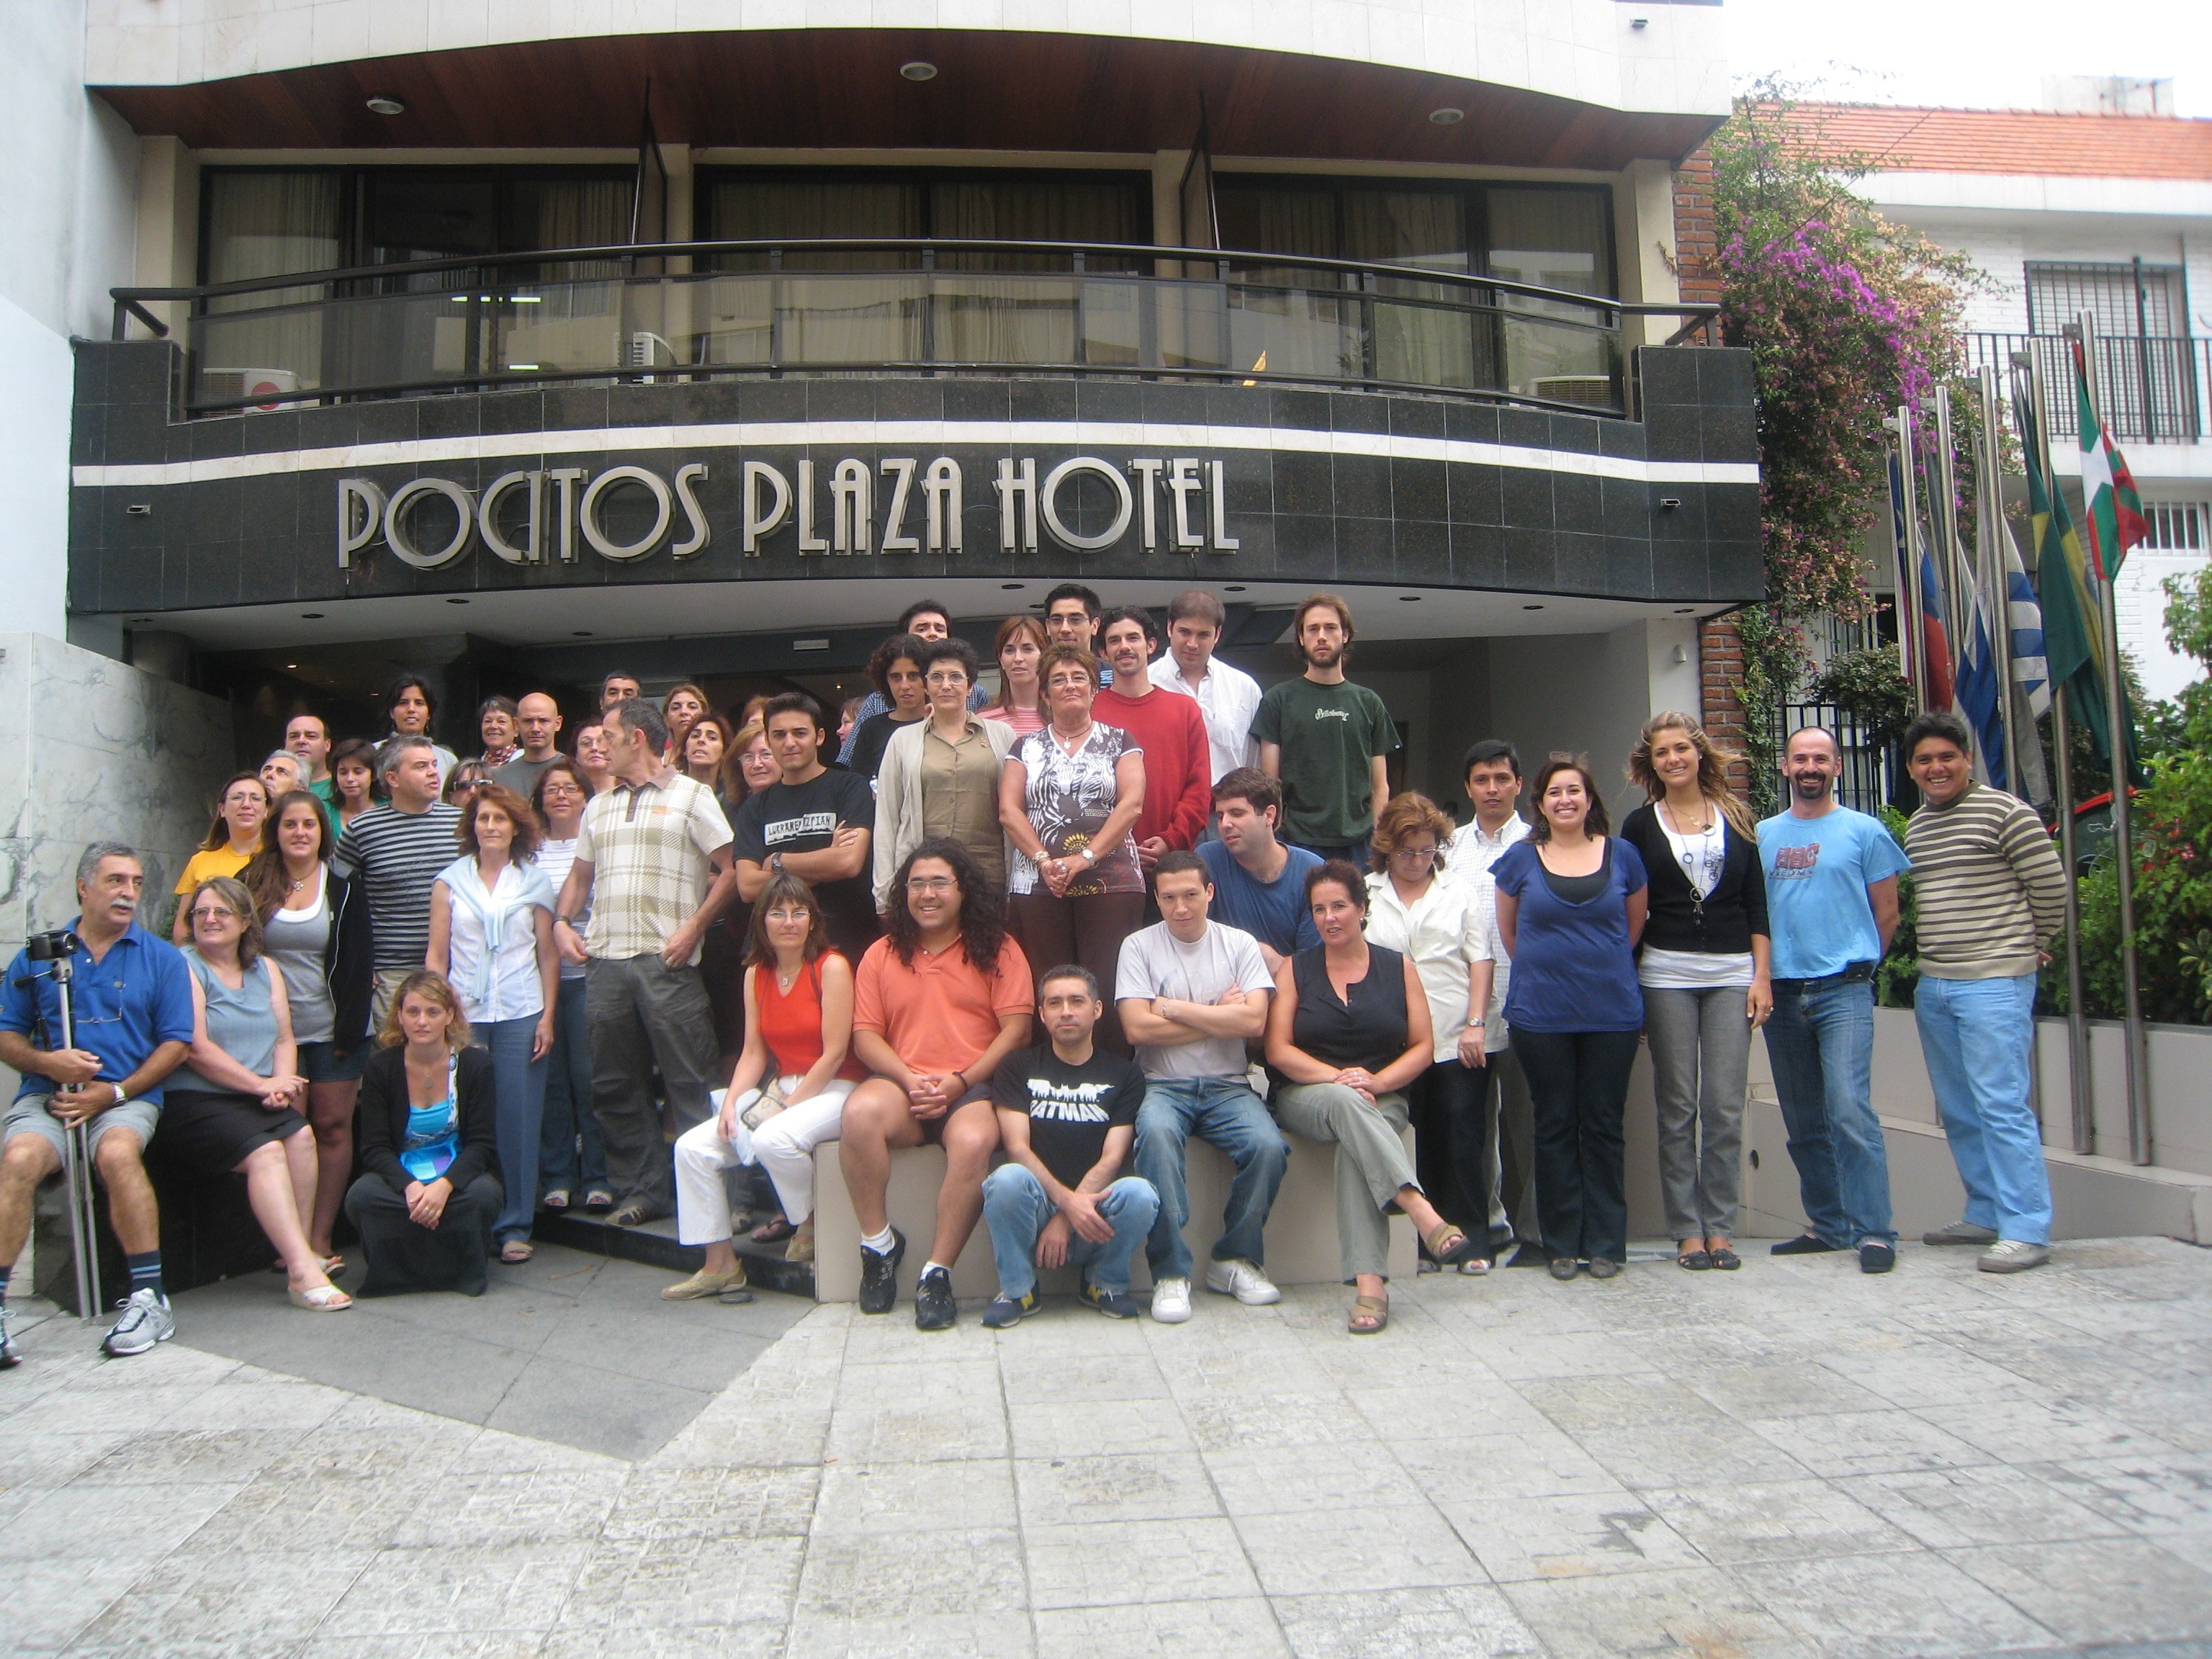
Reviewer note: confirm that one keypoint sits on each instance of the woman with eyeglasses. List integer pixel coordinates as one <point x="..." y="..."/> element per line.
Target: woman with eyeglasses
<point x="242" y="811"/>
<point x="1444" y="929"/>
<point x="314" y="926"/>
<point x="465" y="779"/>
<point x="239" y="1102"/>
<point x="594" y="760"/>
<point x="568" y="1151"/>
<point x="940" y="775"/>
<point x="1067" y="799"/>
<point x="491" y="936"/>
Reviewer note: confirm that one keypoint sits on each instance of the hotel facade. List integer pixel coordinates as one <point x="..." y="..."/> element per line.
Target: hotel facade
<point x="517" y="343"/>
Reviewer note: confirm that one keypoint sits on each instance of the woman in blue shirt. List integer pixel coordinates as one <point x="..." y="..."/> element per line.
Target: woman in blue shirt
<point x="1570" y="906"/>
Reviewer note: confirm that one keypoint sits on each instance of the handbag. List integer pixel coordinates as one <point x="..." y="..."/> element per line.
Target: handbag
<point x="766" y="1105"/>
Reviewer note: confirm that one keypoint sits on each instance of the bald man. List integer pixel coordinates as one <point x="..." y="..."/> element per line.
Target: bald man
<point x="537" y="722"/>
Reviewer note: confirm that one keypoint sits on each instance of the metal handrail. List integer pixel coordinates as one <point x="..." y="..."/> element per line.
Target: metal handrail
<point x="128" y="299"/>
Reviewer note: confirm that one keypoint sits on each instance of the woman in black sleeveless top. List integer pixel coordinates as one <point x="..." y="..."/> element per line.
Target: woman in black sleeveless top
<point x="1349" y="1031"/>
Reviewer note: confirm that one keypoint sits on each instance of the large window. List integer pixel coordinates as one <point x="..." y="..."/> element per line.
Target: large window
<point x="2125" y="299"/>
<point x="1549" y="237"/>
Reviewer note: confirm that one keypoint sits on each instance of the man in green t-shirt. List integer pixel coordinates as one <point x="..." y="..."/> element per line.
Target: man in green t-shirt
<point x="1326" y="739"/>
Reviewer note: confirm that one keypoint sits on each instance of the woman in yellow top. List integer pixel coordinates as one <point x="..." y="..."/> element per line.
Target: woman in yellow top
<point x="233" y="839"/>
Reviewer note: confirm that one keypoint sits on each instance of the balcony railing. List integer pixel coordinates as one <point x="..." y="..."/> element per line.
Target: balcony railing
<point x="2149" y="389"/>
<point x="711" y="310"/>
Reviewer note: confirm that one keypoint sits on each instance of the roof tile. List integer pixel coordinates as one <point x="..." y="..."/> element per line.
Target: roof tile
<point x="2029" y="141"/>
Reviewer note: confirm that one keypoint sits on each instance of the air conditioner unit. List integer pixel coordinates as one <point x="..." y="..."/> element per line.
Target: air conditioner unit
<point x="1594" y="390"/>
<point x="222" y="385"/>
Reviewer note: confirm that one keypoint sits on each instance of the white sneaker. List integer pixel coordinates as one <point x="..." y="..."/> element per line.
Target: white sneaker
<point x="11" y="1356"/>
<point x="1171" y="1301"/>
<point x="146" y="1319"/>
<point x="1243" y="1280"/>
<point x="2013" y="1255"/>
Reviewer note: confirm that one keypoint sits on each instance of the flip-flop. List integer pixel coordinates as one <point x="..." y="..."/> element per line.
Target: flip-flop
<point x="774" y="1232"/>
<point x="557" y="1199"/>
<point x="1374" y="1310"/>
<point x="515" y="1252"/>
<point x="323" y="1298"/>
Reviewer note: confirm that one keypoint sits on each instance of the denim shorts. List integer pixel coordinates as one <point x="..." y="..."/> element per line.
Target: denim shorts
<point x="320" y="1062"/>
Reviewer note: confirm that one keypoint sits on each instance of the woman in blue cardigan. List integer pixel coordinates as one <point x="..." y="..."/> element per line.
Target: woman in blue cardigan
<point x="1571" y="905"/>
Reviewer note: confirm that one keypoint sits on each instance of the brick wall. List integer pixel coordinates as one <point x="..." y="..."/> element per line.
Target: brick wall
<point x="1720" y="665"/>
<point x="1697" y="243"/>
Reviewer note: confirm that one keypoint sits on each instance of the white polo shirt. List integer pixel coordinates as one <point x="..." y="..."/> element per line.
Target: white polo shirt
<point x="1228" y="698"/>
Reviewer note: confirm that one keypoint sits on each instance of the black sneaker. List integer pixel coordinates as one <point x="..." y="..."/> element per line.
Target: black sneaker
<point x="1114" y="1305"/>
<point x="1803" y="1244"/>
<point x="933" y="1307"/>
<point x="1006" y="1310"/>
<point x="879" y="1275"/>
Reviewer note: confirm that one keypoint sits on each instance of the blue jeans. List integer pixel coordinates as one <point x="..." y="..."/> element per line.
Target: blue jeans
<point x="1975" y="1035"/>
<point x="569" y="1112"/>
<point x="1820" y="1044"/>
<point x="518" y="1090"/>
<point x="1016" y="1209"/>
<point x="1225" y="1112"/>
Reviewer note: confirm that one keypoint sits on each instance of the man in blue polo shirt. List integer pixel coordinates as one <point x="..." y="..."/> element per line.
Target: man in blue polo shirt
<point x="132" y="1002"/>
<point x="1259" y="880"/>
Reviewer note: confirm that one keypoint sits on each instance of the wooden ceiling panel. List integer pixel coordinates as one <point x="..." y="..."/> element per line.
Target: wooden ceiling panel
<point x="822" y="88"/>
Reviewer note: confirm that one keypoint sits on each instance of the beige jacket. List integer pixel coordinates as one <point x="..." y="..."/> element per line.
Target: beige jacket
<point x="898" y="796"/>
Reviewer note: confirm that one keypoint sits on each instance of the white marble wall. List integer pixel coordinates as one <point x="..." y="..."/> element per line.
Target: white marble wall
<point x="91" y="749"/>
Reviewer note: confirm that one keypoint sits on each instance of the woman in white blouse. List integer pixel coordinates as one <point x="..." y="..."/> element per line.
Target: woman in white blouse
<point x="491" y="935"/>
<point x="1447" y="930"/>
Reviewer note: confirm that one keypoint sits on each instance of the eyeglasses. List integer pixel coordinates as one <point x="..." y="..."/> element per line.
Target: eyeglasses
<point x="214" y="912"/>
<point x="1416" y="855"/>
<point x="949" y="676"/>
<point x="930" y="883"/>
<point x="461" y="784"/>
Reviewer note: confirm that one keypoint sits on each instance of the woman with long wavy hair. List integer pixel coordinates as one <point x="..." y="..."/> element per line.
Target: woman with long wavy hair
<point x="1705" y="970"/>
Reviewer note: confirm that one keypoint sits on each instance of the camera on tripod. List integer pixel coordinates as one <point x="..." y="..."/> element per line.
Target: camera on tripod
<point x="55" y="945"/>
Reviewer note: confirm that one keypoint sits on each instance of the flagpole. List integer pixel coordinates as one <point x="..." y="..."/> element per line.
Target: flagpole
<point x="1916" y="624"/>
<point x="2080" y="1084"/>
<point x="1996" y="574"/>
<point x="2115" y="715"/>
<point x="1958" y="574"/>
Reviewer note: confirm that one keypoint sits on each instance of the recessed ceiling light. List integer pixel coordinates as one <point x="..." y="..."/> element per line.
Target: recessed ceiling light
<point x="135" y="621"/>
<point x="580" y="634"/>
<point x="1409" y="598"/>
<point x="1685" y="609"/>
<point x="456" y="601"/>
<point x="1234" y="587"/>
<point x="383" y="103"/>
<point x="1448" y="116"/>
<point x="311" y="616"/>
<point x="918" y="70"/>
<point x="1013" y="587"/>
<point x="291" y="665"/>
<point x="1532" y="607"/>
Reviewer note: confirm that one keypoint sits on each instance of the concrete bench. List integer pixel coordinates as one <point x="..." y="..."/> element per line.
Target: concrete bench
<point x="1302" y="1247"/>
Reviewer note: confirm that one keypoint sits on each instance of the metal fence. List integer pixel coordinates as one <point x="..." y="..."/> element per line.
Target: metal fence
<point x="2150" y="388"/>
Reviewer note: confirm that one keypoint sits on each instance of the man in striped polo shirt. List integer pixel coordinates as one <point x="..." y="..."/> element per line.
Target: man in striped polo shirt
<point x="396" y="851"/>
<point x="1992" y="891"/>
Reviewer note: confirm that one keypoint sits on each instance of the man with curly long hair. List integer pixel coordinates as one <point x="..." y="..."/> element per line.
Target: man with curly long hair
<point x="938" y="1003"/>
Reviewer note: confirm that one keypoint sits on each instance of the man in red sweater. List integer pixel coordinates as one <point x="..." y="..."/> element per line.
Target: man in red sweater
<point x="1171" y="731"/>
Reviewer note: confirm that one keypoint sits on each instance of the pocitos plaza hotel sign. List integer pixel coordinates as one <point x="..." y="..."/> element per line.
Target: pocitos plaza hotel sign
<point x="899" y="504"/>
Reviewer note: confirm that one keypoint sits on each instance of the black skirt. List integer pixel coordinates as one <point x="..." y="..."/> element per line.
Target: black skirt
<point x="208" y="1133"/>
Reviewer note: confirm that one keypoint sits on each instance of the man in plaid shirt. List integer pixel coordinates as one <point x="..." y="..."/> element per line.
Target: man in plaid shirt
<point x="652" y="869"/>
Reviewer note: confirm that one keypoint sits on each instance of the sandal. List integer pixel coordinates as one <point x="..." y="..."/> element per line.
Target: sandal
<point x="1369" y="1314"/>
<point x="1696" y="1261"/>
<point x="1475" y="1266"/>
<point x="1727" y="1260"/>
<point x="632" y="1214"/>
<point x="323" y="1298"/>
<point x="1428" y="1265"/>
<point x="774" y="1232"/>
<point x="598" y="1199"/>
<point x="801" y="1248"/>
<point x="1449" y="1245"/>
<point x="557" y="1199"/>
<point x="516" y="1251"/>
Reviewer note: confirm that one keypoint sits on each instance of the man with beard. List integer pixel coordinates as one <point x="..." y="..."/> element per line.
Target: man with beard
<point x="1831" y="898"/>
<point x="1326" y="739"/>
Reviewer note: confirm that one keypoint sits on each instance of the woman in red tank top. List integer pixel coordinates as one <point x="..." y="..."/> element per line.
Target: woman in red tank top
<point x="791" y="1081"/>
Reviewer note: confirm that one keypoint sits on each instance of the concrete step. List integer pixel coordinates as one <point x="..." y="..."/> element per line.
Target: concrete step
<point x="655" y="1243"/>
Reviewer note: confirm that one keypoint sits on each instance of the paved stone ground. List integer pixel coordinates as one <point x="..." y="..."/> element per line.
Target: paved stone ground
<point x="1795" y="1460"/>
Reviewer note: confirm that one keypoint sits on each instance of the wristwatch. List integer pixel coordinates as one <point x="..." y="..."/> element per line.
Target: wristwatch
<point x="1474" y="1026"/>
<point x="775" y="862"/>
<point x="1086" y="855"/>
<point x="120" y="1096"/>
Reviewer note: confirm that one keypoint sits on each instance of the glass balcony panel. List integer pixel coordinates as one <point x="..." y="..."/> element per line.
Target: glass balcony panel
<point x="1287" y="332"/>
<point x="1012" y="320"/>
<point x="1112" y="317"/>
<point x="851" y="320"/>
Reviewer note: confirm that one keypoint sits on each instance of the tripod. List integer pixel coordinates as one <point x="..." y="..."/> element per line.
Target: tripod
<point x="55" y="950"/>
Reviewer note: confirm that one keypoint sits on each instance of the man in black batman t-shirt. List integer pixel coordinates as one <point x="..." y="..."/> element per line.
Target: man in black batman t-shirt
<point x="813" y="822"/>
<point x="1067" y="1117"/>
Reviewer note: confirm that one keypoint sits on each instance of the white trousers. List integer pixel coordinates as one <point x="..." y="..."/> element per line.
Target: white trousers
<point x="784" y="1147"/>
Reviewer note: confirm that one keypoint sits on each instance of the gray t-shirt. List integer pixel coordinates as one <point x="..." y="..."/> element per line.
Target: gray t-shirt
<point x="295" y="941"/>
<point x="521" y="773"/>
<point x="1155" y="964"/>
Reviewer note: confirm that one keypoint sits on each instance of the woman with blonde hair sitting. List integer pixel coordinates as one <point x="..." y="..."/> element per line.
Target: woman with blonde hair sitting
<point x="239" y="1102"/>
<point x="426" y="1201"/>
<point x="1705" y="970"/>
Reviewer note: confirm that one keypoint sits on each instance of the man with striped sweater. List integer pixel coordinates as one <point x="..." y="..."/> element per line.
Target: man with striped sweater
<point x="1991" y="891"/>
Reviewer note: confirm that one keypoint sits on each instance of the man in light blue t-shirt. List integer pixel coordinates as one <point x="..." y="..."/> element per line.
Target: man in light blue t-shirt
<point x="1831" y="898"/>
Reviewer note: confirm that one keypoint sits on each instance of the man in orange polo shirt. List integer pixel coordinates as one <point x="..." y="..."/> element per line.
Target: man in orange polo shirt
<point x="937" y="1003"/>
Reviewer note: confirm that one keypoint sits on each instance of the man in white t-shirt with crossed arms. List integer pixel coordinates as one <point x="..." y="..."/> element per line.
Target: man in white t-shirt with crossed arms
<point x="1192" y="992"/>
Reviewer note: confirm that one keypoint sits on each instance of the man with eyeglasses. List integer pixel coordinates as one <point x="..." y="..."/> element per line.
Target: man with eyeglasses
<point x="131" y="1001"/>
<point x="396" y="851"/>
